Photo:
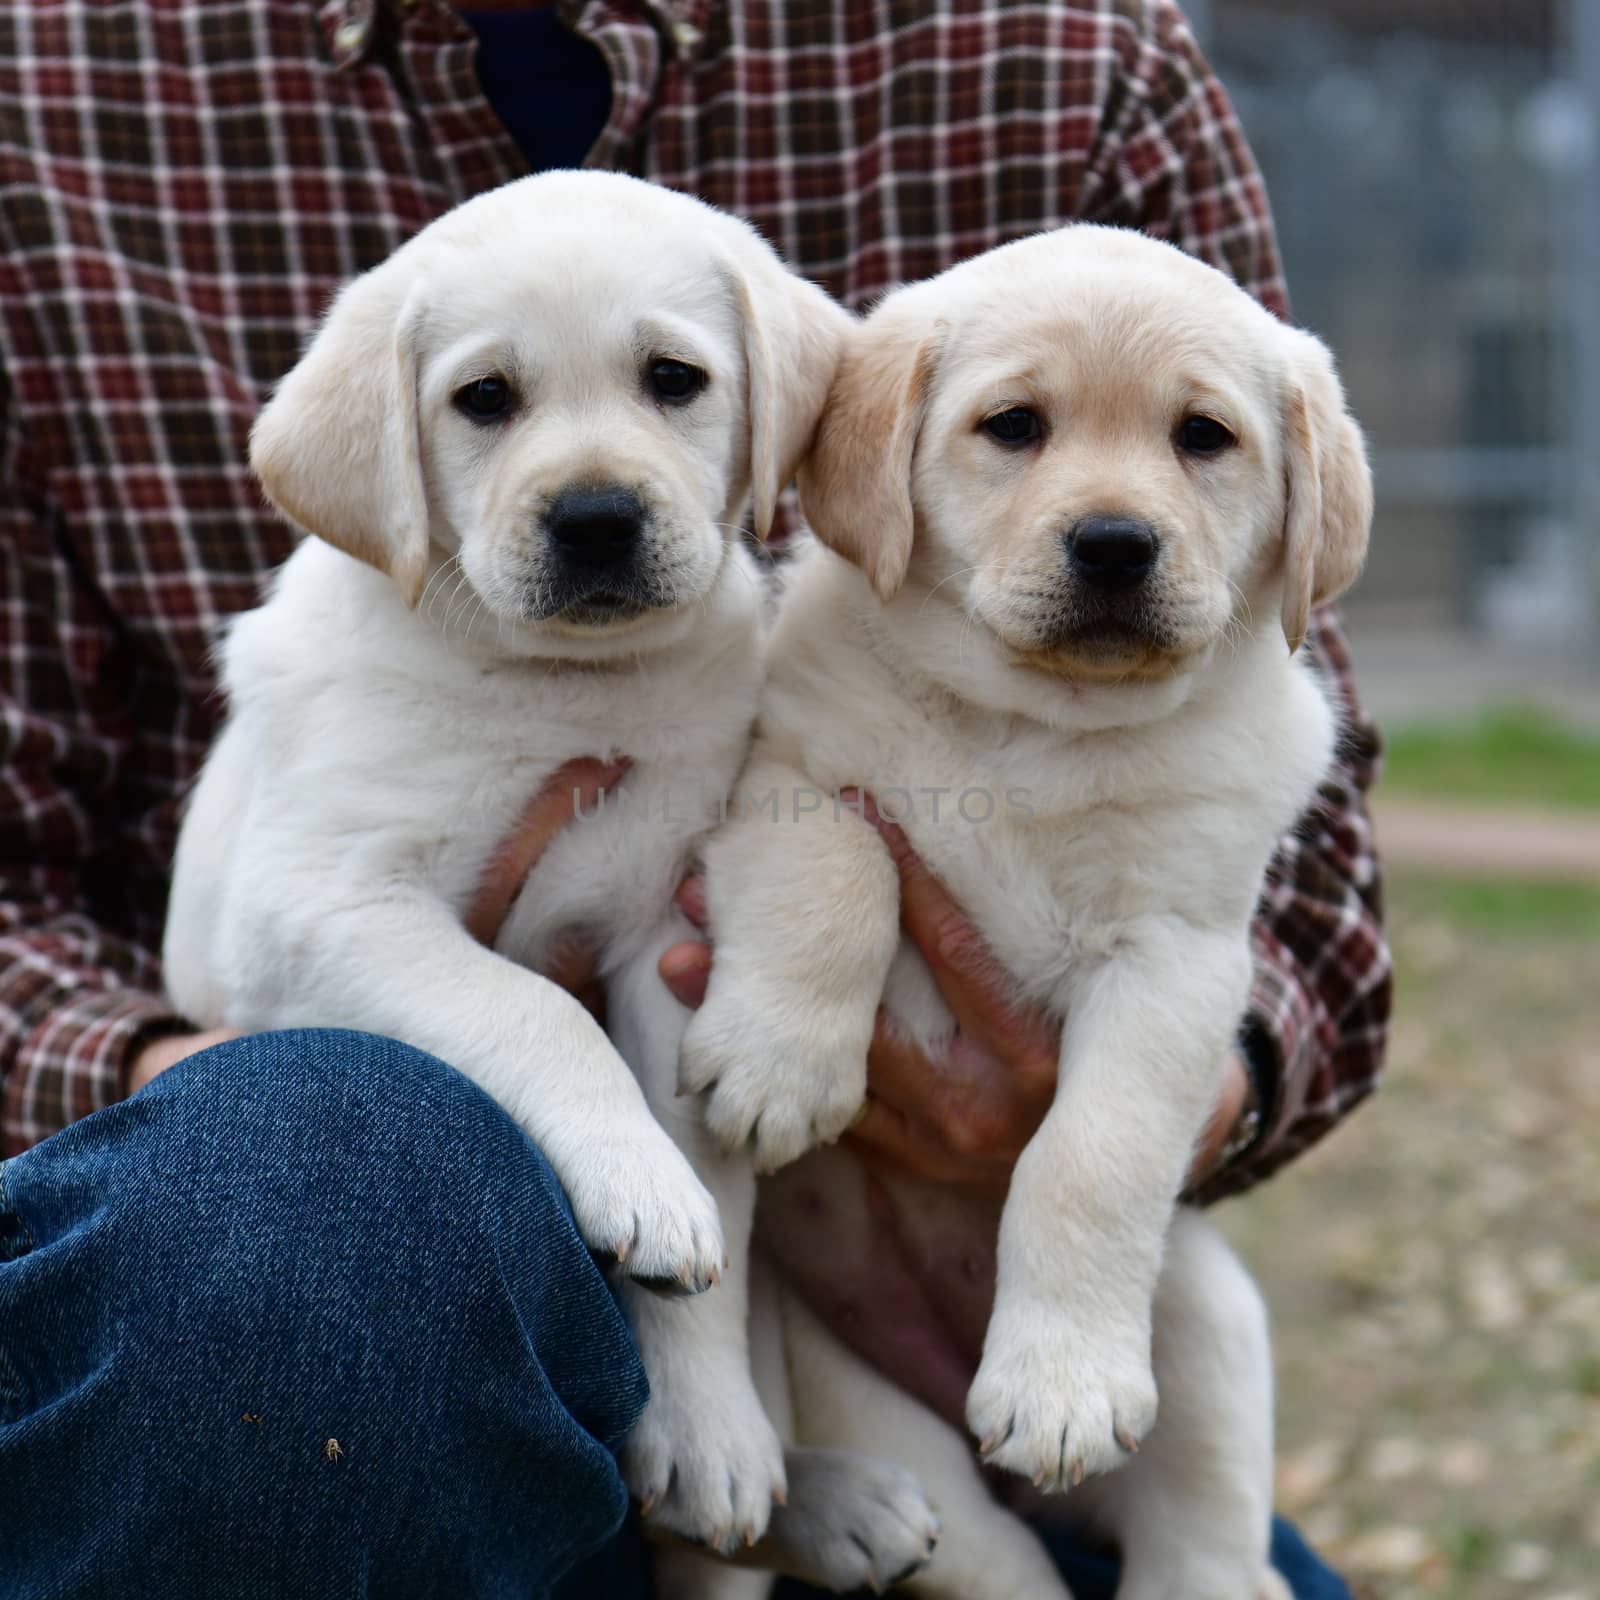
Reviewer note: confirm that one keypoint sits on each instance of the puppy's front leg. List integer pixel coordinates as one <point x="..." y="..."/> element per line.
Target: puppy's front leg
<point x="1065" y="1386"/>
<point x="805" y="915"/>
<point x="703" y="1460"/>
<point x="402" y="965"/>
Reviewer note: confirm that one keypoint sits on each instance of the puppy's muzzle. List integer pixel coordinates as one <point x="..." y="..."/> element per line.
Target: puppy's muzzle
<point x="1112" y="554"/>
<point x="598" y="566"/>
<point x="596" y="530"/>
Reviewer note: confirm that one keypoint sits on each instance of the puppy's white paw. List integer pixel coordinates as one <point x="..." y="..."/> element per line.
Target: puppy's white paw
<point x="779" y="1088"/>
<point x="1056" y="1403"/>
<point x="636" y="1199"/>
<point x="703" y="1461"/>
<point x="853" y="1521"/>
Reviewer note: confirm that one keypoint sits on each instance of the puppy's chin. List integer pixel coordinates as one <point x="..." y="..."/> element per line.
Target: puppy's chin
<point x="1104" y="664"/>
<point x="585" y="632"/>
<point x="601" y="613"/>
<point x="1106" y="653"/>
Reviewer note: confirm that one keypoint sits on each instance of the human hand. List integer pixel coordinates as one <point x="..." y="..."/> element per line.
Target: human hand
<point x="962" y="1117"/>
<point x="576" y="786"/>
<point x="152" y="1059"/>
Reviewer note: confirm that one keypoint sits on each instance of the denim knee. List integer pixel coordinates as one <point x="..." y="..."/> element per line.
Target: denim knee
<point x="329" y="1314"/>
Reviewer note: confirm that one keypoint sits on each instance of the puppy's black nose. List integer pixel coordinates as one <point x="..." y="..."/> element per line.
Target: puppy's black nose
<point x="1112" y="552"/>
<point x="595" y="526"/>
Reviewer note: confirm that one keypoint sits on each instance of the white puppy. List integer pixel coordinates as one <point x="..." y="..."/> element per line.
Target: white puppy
<point x="1081" y="494"/>
<point x="523" y="442"/>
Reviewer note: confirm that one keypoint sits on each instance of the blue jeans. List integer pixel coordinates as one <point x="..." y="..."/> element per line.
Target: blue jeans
<point x="308" y="1316"/>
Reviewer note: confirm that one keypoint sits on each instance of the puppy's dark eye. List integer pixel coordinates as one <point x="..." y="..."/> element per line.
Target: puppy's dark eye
<point x="675" y="382"/>
<point x="485" y="400"/>
<point x="1204" y="436"/>
<point x="1018" y="425"/>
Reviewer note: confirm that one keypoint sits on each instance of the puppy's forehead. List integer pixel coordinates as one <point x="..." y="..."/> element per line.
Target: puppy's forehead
<point x="1087" y="299"/>
<point x="576" y="245"/>
<point x="566" y="293"/>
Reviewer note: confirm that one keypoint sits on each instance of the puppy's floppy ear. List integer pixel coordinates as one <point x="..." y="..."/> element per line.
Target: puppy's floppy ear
<point x="1328" y="514"/>
<point x="793" y="333"/>
<point x="855" y="487"/>
<point x="337" y="448"/>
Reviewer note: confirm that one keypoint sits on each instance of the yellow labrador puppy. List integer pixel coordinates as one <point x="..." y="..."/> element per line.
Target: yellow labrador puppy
<point x="522" y="443"/>
<point x="1079" y="497"/>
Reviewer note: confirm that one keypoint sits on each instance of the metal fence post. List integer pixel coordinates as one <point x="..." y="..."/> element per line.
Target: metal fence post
<point x="1583" y="294"/>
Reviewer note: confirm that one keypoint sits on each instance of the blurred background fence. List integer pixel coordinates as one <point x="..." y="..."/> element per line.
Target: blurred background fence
<point x="1434" y="166"/>
<point x="1434" y="1267"/>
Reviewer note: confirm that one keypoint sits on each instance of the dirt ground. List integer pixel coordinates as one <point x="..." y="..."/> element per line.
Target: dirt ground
<point x="1434" y="1268"/>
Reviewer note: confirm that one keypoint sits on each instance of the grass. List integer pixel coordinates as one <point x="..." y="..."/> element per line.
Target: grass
<point x="1433" y="1267"/>
<point x="1510" y="757"/>
<point x="1505" y="911"/>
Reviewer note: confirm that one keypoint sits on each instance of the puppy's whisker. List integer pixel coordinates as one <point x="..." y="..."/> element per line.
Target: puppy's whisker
<point x="449" y="580"/>
<point x="458" y="600"/>
<point x="451" y="569"/>
<point x="748" y="577"/>
<point x="951" y="578"/>
<point x="969" y="620"/>
<point x="1237" y="631"/>
<point x="423" y="600"/>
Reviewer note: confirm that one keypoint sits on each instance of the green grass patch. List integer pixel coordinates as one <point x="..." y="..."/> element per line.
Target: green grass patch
<point x="1499" y="908"/>
<point x="1509" y="757"/>
<point x="1474" y="1548"/>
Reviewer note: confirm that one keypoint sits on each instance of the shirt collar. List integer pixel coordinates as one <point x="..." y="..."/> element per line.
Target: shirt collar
<point x="352" y="26"/>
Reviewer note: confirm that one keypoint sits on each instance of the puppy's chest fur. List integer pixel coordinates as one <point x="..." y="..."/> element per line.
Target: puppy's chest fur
<point x="1060" y="846"/>
<point x="393" y="753"/>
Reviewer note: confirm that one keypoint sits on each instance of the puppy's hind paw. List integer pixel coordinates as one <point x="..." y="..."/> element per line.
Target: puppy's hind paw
<point x="1057" y="1407"/>
<point x="705" y="1467"/>
<point x="852" y="1521"/>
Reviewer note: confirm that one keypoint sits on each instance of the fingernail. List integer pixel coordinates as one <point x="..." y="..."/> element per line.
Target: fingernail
<point x="683" y="960"/>
<point x="890" y="832"/>
<point x="691" y="899"/>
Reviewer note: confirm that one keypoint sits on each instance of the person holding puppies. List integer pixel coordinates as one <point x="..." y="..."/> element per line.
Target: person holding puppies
<point x="187" y="187"/>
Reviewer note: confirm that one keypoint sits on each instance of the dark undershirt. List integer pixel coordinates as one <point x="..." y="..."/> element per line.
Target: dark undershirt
<point x="549" y="87"/>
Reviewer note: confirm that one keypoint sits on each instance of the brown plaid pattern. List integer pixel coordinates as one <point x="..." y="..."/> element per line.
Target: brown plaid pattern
<point x="182" y="187"/>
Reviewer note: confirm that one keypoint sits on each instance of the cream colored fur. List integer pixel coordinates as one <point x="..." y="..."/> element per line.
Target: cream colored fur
<point x="1102" y="800"/>
<point x="410" y="683"/>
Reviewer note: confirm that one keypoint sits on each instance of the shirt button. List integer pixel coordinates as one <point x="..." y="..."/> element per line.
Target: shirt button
<point x="685" y="35"/>
<point x="349" y="37"/>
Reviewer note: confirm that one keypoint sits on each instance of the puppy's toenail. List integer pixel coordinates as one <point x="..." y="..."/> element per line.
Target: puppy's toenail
<point x="900" y="1577"/>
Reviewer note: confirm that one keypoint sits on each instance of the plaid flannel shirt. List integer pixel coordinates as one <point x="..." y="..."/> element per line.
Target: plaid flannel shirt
<point x="182" y="187"/>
